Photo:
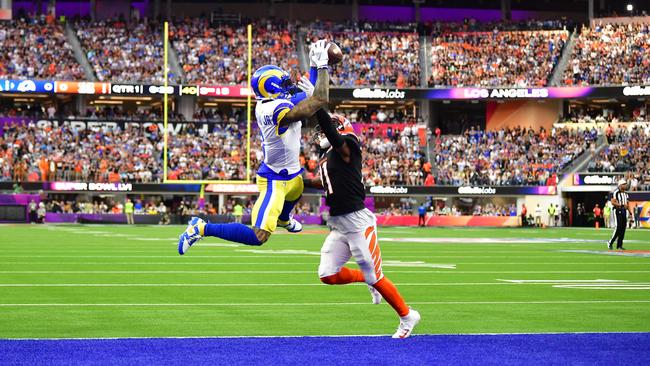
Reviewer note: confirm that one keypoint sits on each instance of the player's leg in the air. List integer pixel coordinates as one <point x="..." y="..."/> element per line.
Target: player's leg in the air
<point x="264" y="219"/>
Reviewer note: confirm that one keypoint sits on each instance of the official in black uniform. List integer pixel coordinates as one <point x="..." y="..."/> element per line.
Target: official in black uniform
<point x="353" y="228"/>
<point x="621" y="208"/>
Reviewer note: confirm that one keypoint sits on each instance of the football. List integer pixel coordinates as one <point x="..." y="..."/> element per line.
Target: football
<point x="334" y="54"/>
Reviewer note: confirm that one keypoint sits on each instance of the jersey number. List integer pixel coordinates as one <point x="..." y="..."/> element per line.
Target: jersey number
<point x="325" y="179"/>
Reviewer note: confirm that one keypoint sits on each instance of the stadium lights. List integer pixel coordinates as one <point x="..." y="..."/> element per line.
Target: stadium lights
<point x="629" y="7"/>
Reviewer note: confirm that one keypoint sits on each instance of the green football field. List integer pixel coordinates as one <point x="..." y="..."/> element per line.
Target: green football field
<point x="80" y="281"/>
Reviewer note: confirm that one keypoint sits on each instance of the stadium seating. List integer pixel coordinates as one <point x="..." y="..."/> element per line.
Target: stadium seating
<point x="218" y="155"/>
<point x="522" y="59"/>
<point x="610" y="54"/>
<point x="628" y="153"/>
<point x="375" y="58"/>
<point x="124" y="52"/>
<point x="393" y="156"/>
<point x="35" y="49"/>
<point x="506" y="157"/>
<point x="218" y="54"/>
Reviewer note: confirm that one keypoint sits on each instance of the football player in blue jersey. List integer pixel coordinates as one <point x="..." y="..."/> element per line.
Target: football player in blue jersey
<point x="281" y="108"/>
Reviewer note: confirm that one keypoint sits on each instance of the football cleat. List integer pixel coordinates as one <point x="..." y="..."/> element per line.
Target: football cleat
<point x="293" y="226"/>
<point x="609" y="246"/>
<point x="406" y="324"/>
<point x="376" y="296"/>
<point x="191" y="235"/>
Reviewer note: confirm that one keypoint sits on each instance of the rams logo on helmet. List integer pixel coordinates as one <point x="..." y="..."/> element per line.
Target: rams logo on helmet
<point x="271" y="82"/>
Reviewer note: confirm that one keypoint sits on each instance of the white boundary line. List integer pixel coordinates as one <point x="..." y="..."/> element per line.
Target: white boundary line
<point x="287" y="284"/>
<point x="297" y="272"/>
<point x="320" y="304"/>
<point x="385" y="263"/>
<point x="313" y="336"/>
<point x="148" y="256"/>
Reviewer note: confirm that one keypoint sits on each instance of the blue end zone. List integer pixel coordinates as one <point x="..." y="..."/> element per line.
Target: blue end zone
<point x="534" y="349"/>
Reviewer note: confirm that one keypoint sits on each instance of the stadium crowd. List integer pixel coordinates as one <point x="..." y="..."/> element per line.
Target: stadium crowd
<point x="219" y="154"/>
<point x="374" y="58"/>
<point x="627" y="153"/>
<point x="31" y="153"/>
<point x="393" y="155"/>
<point x="521" y="59"/>
<point x="516" y="156"/>
<point x="36" y="49"/>
<point x="123" y="51"/>
<point x="610" y="54"/>
<point x="466" y="53"/>
<point x="218" y="54"/>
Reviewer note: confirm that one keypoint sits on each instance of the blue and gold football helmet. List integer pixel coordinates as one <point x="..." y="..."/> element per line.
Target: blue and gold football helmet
<point x="271" y="82"/>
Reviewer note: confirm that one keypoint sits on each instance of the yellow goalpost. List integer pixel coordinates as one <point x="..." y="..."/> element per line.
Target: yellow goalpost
<point x="249" y="31"/>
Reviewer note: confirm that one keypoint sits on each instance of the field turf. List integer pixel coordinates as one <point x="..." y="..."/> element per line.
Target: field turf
<point x="94" y="281"/>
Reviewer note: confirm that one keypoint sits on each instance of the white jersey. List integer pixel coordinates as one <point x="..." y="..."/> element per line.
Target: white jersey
<point x="280" y="146"/>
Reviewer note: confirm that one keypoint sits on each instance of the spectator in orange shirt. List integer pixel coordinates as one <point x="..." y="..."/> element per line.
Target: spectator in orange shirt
<point x="114" y="177"/>
<point x="429" y="181"/>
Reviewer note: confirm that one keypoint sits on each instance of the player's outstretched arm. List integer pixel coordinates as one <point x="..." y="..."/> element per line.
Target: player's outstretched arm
<point x="320" y="98"/>
<point x="333" y="136"/>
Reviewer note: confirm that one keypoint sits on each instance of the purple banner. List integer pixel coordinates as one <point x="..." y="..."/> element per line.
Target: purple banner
<point x="8" y="121"/>
<point x="509" y="93"/>
<point x="407" y="14"/>
<point x="142" y="219"/>
<point x="69" y="218"/>
<point x="16" y="207"/>
<point x="18" y="199"/>
<point x="309" y="219"/>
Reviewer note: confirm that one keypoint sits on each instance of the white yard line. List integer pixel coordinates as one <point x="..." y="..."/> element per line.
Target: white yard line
<point x="319" y="304"/>
<point x="283" y="272"/>
<point x="558" y="281"/>
<point x="179" y="262"/>
<point x="607" y="286"/>
<point x="425" y="284"/>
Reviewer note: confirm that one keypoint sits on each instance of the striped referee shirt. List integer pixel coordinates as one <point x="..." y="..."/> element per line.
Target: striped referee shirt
<point x="621" y="197"/>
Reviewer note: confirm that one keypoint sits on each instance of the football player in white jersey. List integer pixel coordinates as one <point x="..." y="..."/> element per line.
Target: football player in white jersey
<point x="280" y="108"/>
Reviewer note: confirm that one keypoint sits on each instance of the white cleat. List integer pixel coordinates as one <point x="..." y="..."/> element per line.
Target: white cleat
<point x="191" y="235"/>
<point x="376" y="296"/>
<point x="293" y="226"/>
<point x="406" y="324"/>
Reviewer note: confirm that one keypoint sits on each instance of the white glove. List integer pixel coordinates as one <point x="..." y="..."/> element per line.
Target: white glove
<point x="318" y="53"/>
<point x="305" y="85"/>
